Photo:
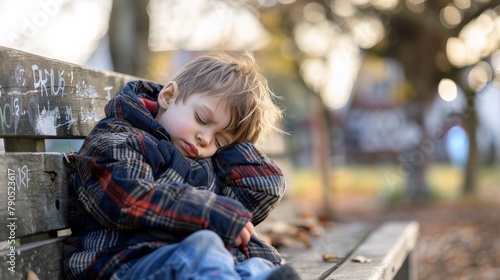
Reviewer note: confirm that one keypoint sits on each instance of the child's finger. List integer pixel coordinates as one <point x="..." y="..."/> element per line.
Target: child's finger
<point x="250" y="228"/>
<point x="237" y="241"/>
<point x="245" y="235"/>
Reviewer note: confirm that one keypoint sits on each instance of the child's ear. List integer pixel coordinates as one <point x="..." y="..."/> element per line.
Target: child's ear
<point x="167" y="93"/>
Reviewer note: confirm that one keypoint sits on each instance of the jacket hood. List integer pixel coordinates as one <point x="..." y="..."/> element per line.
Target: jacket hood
<point x="126" y="105"/>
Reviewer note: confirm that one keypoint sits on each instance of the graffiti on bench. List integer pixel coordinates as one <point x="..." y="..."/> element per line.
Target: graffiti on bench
<point x="50" y="99"/>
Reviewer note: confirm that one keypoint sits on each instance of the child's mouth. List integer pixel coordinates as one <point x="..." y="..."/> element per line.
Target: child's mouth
<point x="191" y="150"/>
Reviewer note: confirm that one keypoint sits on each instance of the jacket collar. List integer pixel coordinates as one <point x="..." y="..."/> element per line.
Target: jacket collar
<point x="126" y="105"/>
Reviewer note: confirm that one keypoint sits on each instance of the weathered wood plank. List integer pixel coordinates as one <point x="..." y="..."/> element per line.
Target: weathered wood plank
<point x="339" y="241"/>
<point x="50" y="98"/>
<point x="388" y="247"/>
<point x="44" y="258"/>
<point x="33" y="193"/>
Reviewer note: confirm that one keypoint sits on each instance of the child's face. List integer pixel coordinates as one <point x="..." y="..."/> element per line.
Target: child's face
<point x="198" y="127"/>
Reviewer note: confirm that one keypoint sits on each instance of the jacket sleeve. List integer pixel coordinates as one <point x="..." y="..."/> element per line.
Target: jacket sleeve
<point x="127" y="181"/>
<point x="247" y="175"/>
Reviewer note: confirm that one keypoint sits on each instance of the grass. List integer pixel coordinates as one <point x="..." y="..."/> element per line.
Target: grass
<point x="387" y="182"/>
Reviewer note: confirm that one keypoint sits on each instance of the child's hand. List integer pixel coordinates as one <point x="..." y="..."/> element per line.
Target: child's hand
<point x="245" y="234"/>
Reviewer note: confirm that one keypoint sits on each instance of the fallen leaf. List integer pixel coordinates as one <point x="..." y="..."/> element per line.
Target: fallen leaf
<point x="304" y="239"/>
<point x="361" y="259"/>
<point x="331" y="258"/>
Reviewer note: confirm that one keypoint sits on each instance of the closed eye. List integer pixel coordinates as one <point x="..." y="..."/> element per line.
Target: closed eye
<point x="218" y="144"/>
<point x="198" y="118"/>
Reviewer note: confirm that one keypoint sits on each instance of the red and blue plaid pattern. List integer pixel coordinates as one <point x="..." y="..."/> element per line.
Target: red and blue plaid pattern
<point x="134" y="192"/>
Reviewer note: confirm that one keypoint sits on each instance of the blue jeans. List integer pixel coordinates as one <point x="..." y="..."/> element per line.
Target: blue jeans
<point x="201" y="255"/>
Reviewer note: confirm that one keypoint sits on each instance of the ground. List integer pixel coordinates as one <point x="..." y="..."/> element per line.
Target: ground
<point x="458" y="239"/>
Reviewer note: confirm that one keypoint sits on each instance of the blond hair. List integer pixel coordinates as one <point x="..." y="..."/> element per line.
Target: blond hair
<point x="238" y="80"/>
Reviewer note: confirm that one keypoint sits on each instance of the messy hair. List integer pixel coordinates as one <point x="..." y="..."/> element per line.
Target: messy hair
<point x="237" y="78"/>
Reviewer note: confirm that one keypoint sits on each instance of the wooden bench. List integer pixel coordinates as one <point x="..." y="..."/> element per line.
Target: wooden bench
<point x="43" y="99"/>
<point x="340" y="253"/>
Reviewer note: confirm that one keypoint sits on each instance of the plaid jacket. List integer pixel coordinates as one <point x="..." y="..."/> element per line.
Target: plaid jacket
<point x="133" y="191"/>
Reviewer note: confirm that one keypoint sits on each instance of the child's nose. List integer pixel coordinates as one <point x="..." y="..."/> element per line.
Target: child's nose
<point x="203" y="139"/>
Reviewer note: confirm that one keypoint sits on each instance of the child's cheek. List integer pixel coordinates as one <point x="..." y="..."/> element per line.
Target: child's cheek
<point x="184" y="128"/>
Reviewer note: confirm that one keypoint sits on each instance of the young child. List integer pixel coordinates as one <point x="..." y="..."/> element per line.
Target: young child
<point x="169" y="185"/>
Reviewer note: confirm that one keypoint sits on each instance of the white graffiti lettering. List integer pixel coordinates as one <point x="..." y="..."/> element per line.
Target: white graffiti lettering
<point x="41" y="76"/>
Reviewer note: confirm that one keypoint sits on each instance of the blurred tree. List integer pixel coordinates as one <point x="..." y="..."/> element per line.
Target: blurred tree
<point x="418" y="39"/>
<point x="417" y="34"/>
<point x="128" y="35"/>
<point x="285" y="60"/>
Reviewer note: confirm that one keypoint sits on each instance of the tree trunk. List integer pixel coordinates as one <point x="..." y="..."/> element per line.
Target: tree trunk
<point x="415" y="161"/>
<point x="321" y="152"/>
<point x="417" y="53"/>
<point x="128" y="35"/>
<point x="471" y="122"/>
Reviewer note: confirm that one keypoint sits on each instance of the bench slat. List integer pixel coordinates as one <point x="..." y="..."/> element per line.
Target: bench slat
<point x="339" y="240"/>
<point x="388" y="247"/>
<point x="44" y="258"/>
<point x="42" y="97"/>
<point x="34" y="186"/>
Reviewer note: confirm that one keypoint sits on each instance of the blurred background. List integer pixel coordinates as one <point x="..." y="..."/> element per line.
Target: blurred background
<point x="392" y="106"/>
